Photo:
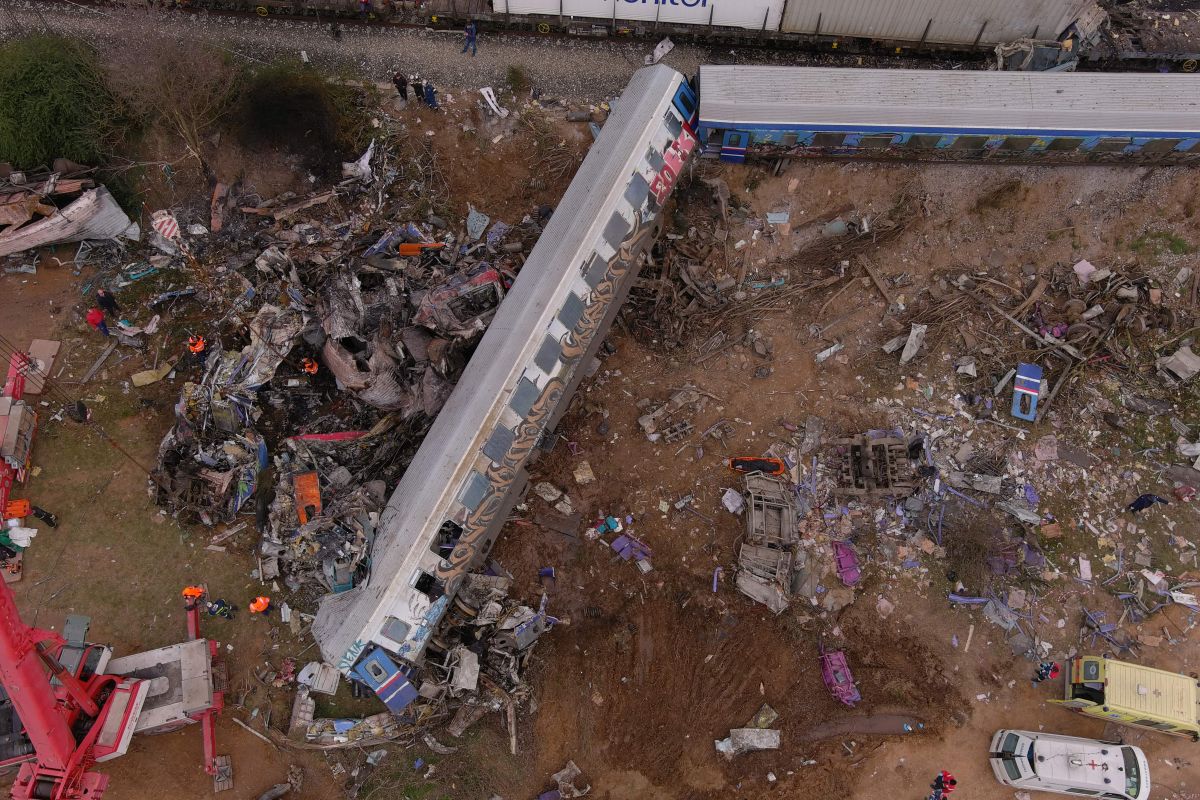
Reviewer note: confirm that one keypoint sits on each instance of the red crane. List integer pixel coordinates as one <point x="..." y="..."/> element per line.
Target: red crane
<point x="72" y="719"/>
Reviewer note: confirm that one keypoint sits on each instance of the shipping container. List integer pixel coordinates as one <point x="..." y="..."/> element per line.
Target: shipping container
<point x="960" y="22"/>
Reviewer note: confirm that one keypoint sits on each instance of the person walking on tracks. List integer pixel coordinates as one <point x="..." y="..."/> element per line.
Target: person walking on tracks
<point x="471" y="37"/>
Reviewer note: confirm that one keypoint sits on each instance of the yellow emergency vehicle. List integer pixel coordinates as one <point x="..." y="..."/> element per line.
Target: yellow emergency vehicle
<point x="1130" y="694"/>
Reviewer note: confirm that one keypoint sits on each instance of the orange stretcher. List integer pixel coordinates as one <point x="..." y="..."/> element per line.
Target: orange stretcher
<point x="308" y="495"/>
<point x="767" y="466"/>
<point x="416" y="248"/>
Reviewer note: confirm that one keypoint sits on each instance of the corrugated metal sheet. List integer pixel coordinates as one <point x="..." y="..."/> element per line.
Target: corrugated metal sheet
<point x="941" y="99"/>
<point x="730" y="13"/>
<point x="948" y="21"/>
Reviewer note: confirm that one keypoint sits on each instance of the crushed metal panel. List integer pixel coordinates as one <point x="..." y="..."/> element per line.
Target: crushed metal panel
<point x="769" y="563"/>
<point x="95" y="215"/>
<point x="769" y="594"/>
<point x="770" y="512"/>
<point x="1180" y="367"/>
<point x="873" y="466"/>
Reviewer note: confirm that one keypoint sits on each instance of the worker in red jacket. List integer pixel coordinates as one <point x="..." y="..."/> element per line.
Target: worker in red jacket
<point x="95" y="318"/>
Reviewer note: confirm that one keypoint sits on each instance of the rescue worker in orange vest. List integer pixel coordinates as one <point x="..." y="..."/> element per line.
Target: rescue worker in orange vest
<point x="192" y="595"/>
<point x="196" y="347"/>
<point x="261" y="605"/>
<point x="309" y="366"/>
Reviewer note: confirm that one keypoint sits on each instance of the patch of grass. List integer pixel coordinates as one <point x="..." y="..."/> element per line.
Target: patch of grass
<point x="518" y="78"/>
<point x="1153" y="243"/>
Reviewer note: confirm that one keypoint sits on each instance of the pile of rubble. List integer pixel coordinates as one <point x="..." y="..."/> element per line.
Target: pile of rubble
<point x="473" y="666"/>
<point x="329" y="354"/>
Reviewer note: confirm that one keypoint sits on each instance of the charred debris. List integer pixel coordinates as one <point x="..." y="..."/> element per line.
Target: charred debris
<point x="334" y="342"/>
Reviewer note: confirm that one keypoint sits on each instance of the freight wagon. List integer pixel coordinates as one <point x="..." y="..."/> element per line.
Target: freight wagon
<point x="845" y="25"/>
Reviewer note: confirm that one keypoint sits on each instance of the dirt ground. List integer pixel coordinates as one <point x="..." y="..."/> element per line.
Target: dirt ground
<point x="645" y="671"/>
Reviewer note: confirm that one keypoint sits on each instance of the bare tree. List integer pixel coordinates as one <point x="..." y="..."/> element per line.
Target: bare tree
<point x="186" y="86"/>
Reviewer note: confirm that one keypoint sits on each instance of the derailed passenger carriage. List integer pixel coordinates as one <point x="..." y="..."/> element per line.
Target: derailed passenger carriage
<point x="749" y="111"/>
<point x="470" y="470"/>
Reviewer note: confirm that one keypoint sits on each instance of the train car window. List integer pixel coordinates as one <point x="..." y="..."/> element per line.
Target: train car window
<point x="498" y="445"/>
<point x="969" y="143"/>
<point x="1112" y="145"/>
<point x="789" y="140"/>
<point x="828" y="139"/>
<point x="572" y="311"/>
<point x="923" y="141"/>
<point x="394" y="629"/>
<point x="616" y="230"/>
<point x="876" y="142"/>
<point x="654" y="159"/>
<point x="674" y="125"/>
<point x="637" y="191"/>
<point x="1018" y="143"/>
<point x="447" y="537"/>
<point x="1161" y="145"/>
<point x="596" y="271"/>
<point x="735" y="140"/>
<point x="1064" y="143"/>
<point x="524" y="396"/>
<point x="474" y="490"/>
<point x="547" y="355"/>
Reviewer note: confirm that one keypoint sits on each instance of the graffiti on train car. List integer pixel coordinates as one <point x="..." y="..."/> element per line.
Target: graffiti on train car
<point x="673" y="159"/>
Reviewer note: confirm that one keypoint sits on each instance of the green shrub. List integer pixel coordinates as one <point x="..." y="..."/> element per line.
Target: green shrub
<point x="54" y="103"/>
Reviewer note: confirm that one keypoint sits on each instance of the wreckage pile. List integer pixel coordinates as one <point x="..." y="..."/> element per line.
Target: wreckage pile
<point x="330" y="352"/>
<point x="473" y="666"/>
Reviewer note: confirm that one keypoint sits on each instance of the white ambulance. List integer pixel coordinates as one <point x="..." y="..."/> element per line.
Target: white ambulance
<point x="1047" y="762"/>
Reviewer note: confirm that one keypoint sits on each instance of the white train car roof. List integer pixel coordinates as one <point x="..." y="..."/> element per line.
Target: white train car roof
<point x="432" y="485"/>
<point x="1034" y="103"/>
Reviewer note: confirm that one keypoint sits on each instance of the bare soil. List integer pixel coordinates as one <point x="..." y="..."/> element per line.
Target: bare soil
<point x="647" y="670"/>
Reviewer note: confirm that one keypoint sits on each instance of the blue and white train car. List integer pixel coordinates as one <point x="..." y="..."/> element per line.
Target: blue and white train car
<point x="469" y="472"/>
<point x="956" y="115"/>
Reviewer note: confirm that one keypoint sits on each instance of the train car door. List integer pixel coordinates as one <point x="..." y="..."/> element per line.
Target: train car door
<point x="733" y="147"/>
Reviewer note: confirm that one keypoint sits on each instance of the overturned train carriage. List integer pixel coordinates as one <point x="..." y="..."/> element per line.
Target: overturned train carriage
<point x="948" y="115"/>
<point x="470" y="469"/>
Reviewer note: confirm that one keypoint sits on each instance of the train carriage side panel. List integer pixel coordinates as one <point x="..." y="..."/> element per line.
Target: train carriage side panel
<point x="960" y="22"/>
<point x="750" y="14"/>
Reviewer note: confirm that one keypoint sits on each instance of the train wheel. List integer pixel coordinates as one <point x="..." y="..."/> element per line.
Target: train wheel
<point x="262" y="11"/>
<point x="1190" y="65"/>
<point x="543" y="27"/>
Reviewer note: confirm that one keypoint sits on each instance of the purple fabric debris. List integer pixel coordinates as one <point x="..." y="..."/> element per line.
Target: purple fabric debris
<point x="967" y="599"/>
<point x="1031" y="496"/>
<point x="835" y="672"/>
<point x="717" y="577"/>
<point x="628" y="548"/>
<point x="847" y="563"/>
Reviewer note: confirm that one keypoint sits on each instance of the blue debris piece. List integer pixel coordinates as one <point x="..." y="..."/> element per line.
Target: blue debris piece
<point x="1027" y="388"/>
